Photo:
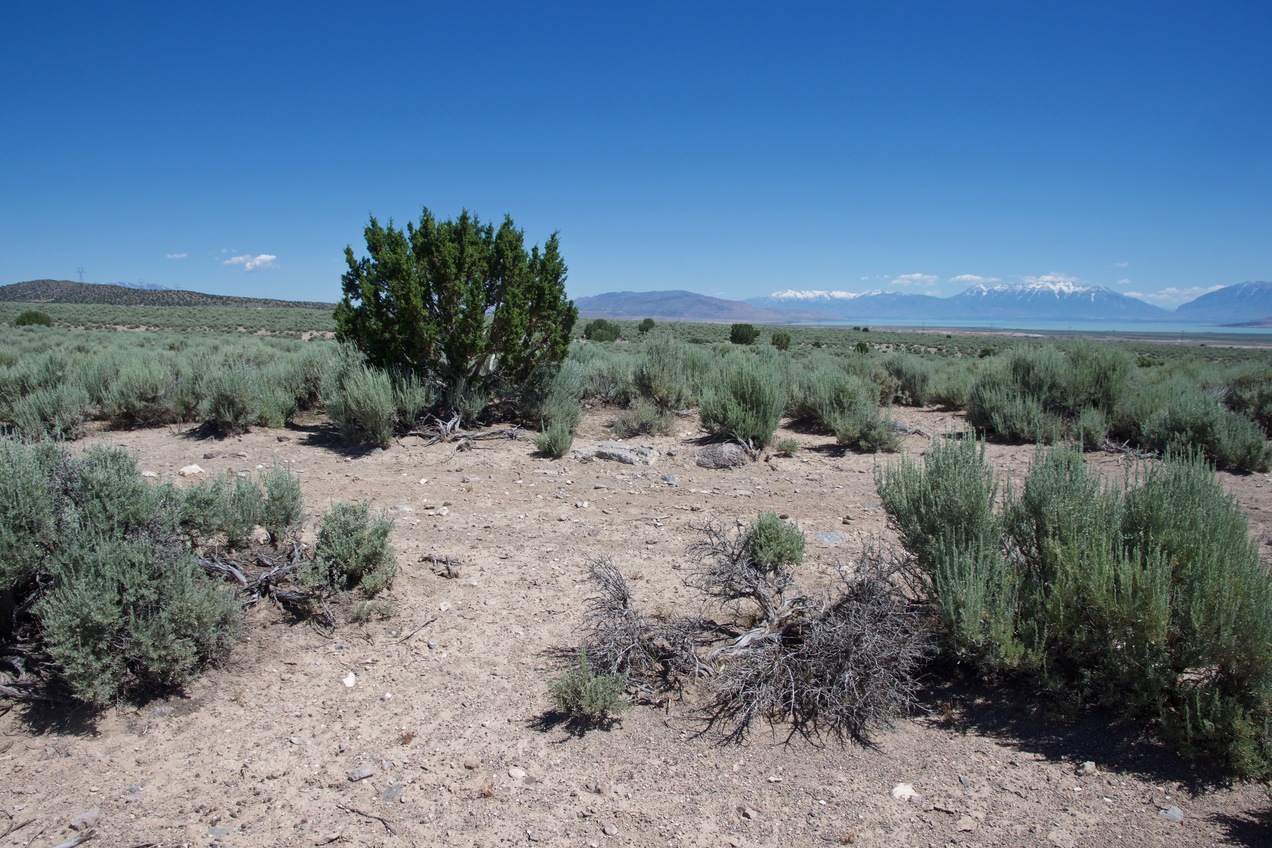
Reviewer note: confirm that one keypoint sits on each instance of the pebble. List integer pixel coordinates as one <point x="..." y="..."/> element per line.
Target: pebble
<point x="299" y="740"/>
<point x="517" y="773"/>
<point x="610" y="830"/>
<point x="444" y="606"/>
<point x="965" y="780"/>
<point x="749" y="814"/>
<point x="162" y="712"/>
<point x="1087" y="769"/>
<point x="218" y="832"/>
<point x="350" y="679"/>
<point x="191" y="471"/>
<point x="904" y="792"/>
<point x="149" y="474"/>
<point x="471" y="765"/>
<point x="670" y="480"/>
<point x="829" y="537"/>
<point x="361" y="773"/>
<point x="392" y="793"/>
<point x="86" y="819"/>
<point x="1172" y="814"/>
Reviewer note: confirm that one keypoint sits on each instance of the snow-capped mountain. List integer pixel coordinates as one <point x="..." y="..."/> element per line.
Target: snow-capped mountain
<point x="1038" y="301"/>
<point x="1053" y="301"/>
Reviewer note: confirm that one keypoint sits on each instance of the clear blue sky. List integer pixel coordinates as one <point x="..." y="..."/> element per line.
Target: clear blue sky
<point x="728" y="148"/>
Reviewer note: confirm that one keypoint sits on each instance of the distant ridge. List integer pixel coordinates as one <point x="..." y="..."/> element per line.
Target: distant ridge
<point x="681" y="306"/>
<point x="67" y="291"/>
<point x="1245" y="304"/>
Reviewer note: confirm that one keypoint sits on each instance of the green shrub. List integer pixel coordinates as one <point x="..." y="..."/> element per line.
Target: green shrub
<point x="748" y="403"/>
<point x="773" y="543"/>
<point x="866" y="430"/>
<point x="353" y="552"/>
<point x="645" y="326"/>
<point x="782" y="341"/>
<point x="554" y="440"/>
<point x="1195" y="420"/>
<point x="96" y="579"/>
<point x="1152" y="601"/>
<point x="743" y="334"/>
<point x="913" y="377"/>
<point x="601" y="330"/>
<point x="1093" y="428"/>
<point x="33" y="318"/>
<point x="282" y="512"/>
<point x="231" y="404"/>
<point x="142" y="394"/>
<point x="663" y="376"/>
<point x="59" y="412"/>
<point x="786" y="447"/>
<point x="587" y="697"/>
<point x="643" y="419"/>
<point x="360" y="401"/>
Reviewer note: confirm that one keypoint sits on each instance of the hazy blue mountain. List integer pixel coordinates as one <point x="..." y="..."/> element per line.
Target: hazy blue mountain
<point x="1050" y="301"/>
<point x="1244" y="303"/>
<point x="681" y="306"/>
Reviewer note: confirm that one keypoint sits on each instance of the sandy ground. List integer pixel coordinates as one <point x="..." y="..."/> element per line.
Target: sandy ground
<point x="448" y="709"/>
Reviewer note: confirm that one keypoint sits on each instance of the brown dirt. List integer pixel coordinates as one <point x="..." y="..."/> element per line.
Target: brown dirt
<point x="450" y="699"/>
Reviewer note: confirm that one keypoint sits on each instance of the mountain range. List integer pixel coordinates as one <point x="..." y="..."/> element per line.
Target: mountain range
<point x="1248" y="303"/>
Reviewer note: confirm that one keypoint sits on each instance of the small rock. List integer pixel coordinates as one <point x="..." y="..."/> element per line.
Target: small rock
<point x="965" y="780"/>
<point x="749" y="814"/>
<point x="1087" y="769"/>
<point x="517" y="773"/>
<point x="298" y="740"/>
<point x="626" y="454"/>
<point x="387" y="696"/>
<point x="377" y="452"/>
<point x="532" y="836"/>
<point x="86" y="819"/>
<point x="162" y="711"/>
<point x="361" y="773"/>
<point x="283" y="438"/>
<point x="727" y="455"/>
<point x="191" y="471"/>
<point x="443" y="511"/>
<point x="966" y="824"/>
<point x="218" y="832"/>
<point x="670" y="480"/>
<point x="829" y="537"/>
<point x="471" y="765"/>
<point x="444" y="606"/>
<point x="350" y="679"/>
<point x="432" y="644"/>
<point x="401" y="508"/>
<point x="149" y="474"/>
<point x="672" y="451"/>
<point x="580" y="504"/>
<point x="610" y="830"/>
<point x="211" y="455"/>
<point x="1172" y="814"/>
<point x="392" y="793"/>
<point x="903" y="792"/>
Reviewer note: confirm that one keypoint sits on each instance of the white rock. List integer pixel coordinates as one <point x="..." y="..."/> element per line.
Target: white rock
<point x="903" y="792"/>
<point x="191" y="471"/>
<point x="350" y="679"/>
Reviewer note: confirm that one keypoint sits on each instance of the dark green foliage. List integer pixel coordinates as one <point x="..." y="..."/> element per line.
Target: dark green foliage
<point x="600" y="330"/>
<point x="459" y="301"/>
<point x="353" y="550"/>
<point x="645" y="326"/>
<point x="559" y="409"/>
<point x="1152" y="600"/>
<point x="782" y="341"/>
<point x="33" y="318"/>
<point x="96" y="577"/>
<point x="786" y="447"/>
<point x="743" y="334"/>
<point x="773" y="543"/>
<point x="587" y="697"/>
<point x="747" y="404"/>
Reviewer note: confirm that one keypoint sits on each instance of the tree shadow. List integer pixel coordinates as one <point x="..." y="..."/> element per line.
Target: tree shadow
<point x="325" y="436"/>
<point x="1253" y="828"/>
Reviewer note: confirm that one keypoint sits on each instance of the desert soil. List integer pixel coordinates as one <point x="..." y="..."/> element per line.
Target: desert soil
<point x="448" y="714"/>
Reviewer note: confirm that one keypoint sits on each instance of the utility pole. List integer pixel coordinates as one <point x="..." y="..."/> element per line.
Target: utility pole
<point x="81" y="273"/>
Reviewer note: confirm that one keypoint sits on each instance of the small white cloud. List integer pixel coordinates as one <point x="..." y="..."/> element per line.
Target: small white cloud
<point x="1170" y="297"/>
<point x="973" y="279"/>
<point x="915" y="280"/>
<point x="1054" y="278"/>
<point x="175" y="255"/>
<point x="252" y="263"/>
<point x="1123" y="282"/>
<point x="1121" y="264"/>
